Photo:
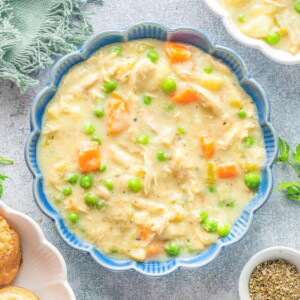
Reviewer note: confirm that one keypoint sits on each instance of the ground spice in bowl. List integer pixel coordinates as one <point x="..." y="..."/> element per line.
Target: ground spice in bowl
<point x="275" y="280"/>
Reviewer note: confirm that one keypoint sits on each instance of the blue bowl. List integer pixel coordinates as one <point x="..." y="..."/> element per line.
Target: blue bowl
<point x="160" y="32"/>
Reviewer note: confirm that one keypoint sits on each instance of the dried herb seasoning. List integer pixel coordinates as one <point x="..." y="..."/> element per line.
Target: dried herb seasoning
<point x="275" y="280"/>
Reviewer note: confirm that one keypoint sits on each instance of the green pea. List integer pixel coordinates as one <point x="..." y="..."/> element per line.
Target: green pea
<point x="134" y="184"/>
<point x="86" y="181"/>
<point x="73" y="178"/>
<point x="273" y="38"/>
<point x="90" y="199"/>
<point x="153" y="55"/>
<point x="73" y="217"/>
<point x="211" y="189"/>
<point x="88" y="128"/>
<point x="242" y="114"/>
<point x="169" y="107"/>
<point x="230" y="204"/>
<point x="242" y="18"/>
<point x="210" y="225"/>
<point x="147" y="100"/>
<point x="67" y="191"/>
<point x="203" y="216"/>
<point x="110" y="86"/>
<point x="181" y="130"/>
<point x="100" y="204"/>
<point x="97" y="139"/>
<point x="117" y="50"/>
<point x="207" y="69"/>
<point x="169" y="85"/>
<point x="223" y="230"/>
<point x="297" y="7"/>
<point x="172" y="249"/>
<point x="108" y="184"/>
<point x="248" y="141"/>
<point x="99" y="111"/>
<point x="103" y="168"/>
<point x="161" y="156"/>
<point x="143" y="139"/>
<point x="252" y="181"/>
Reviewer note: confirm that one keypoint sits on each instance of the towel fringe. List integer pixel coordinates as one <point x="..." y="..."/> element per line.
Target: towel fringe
<point x="65" y="28"/>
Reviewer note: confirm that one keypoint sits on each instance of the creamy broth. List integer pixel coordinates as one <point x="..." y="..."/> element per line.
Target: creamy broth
<point x="274" y="21"/>
<point x="168" y="159"/>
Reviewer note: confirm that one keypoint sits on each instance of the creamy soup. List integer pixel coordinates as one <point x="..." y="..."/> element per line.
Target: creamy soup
<point x="150" y="150"/>
<point x="275" y="21"/>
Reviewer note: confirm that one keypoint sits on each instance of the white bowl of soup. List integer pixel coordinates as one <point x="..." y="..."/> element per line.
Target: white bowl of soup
<point x="149" y="152"/>
<point x="273" y="27"/>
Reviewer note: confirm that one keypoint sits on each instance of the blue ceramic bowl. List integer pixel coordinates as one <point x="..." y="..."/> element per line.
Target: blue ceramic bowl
<point x="160" y="32"/>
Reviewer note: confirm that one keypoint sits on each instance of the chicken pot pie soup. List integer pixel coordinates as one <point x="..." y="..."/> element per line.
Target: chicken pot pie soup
<point x="277" y="22"/>
<point x="150" y="150"/>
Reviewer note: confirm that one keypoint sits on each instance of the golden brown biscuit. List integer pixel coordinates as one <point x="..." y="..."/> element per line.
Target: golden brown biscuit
<point x="10" y="253"/>
<point x="16" y="293"/>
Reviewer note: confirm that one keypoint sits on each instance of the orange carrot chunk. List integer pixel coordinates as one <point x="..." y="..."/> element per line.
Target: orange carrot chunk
<point x="185" y="97"/>
<point x="89" y="156"/>
<point x="143" y="234"/>
<point x="177" y="53"/>
<point x="227" y="170"/>
<point x="72" y="206"/>
<point x="154" y="249"/>
<point x="208" y="146"/>
<point x="117" y="116"/>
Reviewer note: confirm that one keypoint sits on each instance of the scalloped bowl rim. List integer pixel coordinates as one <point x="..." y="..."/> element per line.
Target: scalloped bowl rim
<point x="147" y="268"/>
<point x="12" y="215"/>
<point x="277" y="55"/>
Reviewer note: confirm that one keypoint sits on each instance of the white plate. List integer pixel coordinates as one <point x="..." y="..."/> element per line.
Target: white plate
<point x="43" y="270"/>
<point x="277" y="55"/>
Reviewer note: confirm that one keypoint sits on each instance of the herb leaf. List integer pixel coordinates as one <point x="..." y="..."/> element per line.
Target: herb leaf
<point x="284" y="149"/>
<point x="296" y="155"/>
<point x="285" y="155"/>
<point x="1" y="189"/>
<point x="3" y="177"/>
<point x="291" y="189"/>
<point x="4" y="160"/>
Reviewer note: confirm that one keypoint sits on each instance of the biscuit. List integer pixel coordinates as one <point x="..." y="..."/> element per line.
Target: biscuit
<point x="10" y="253"/>
<point x="16" y="293"/>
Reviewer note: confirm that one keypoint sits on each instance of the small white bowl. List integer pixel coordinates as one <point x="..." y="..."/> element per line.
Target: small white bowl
<point x="43" y="270"/>
<point x="288" y="254"/>
<point x="277" y="55"/>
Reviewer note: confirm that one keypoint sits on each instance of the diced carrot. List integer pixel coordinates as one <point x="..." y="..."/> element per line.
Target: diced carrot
<point x="185" y="97"/>
<point x="154" y="249"/>
<point x="143" y="234"/>
<point x="117" y="116"/>
<point x="208" y="146"/>
<point x="89" y="156"/>
<point x="72" y="206"/>
<point x="177" y="53"/>
<point x="227" y="170"/>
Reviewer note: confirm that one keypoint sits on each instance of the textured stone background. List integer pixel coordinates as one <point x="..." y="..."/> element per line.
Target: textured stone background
<point x="276" y="223"/>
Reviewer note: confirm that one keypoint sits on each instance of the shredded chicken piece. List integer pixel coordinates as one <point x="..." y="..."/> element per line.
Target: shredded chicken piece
<point x="292" y="25"/>
<point x="122" y="157"/>
<point x="275" y="3"/>
<point x="150" y="175"/>
<point x="141" y="72"/>
<point x="236" y="133"/>
<point x="152" y="215"/>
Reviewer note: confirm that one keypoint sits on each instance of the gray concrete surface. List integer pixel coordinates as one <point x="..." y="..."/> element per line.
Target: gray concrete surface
<point x="277" y="223"/>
